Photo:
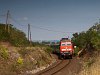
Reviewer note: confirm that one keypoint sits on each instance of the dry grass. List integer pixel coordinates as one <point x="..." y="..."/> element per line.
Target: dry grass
<point x="94" y="69"/>
<point x="14" y="61"/>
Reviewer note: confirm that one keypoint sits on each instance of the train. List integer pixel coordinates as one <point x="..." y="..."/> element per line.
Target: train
<point x="66" y="48"/>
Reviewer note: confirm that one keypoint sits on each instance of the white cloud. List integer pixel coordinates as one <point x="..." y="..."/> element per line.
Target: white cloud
<point x="25" y="18"/>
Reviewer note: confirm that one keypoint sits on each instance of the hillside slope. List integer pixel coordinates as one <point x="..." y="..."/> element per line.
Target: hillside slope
<point x="15" y="36"/>
<point x="88" y="49"/>
<point x="17" y="56"/>
<point x="91" y="66"/>
<point x="23" y="60"/>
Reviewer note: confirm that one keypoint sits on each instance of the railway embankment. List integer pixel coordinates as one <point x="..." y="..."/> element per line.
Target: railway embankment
<point x="19" y="55"/>
<point x="88" y="49"/>
<point x="91" y="64"/>
<point x="23" y="60"/>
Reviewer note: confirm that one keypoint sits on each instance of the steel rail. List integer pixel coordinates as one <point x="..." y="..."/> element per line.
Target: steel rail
<point x="55" y="67"/>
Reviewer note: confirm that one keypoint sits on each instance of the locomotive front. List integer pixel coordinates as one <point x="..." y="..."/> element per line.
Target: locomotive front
<point x="66" y="48"/>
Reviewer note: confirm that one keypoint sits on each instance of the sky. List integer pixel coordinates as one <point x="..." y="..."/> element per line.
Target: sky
<point x="51" y="19"/>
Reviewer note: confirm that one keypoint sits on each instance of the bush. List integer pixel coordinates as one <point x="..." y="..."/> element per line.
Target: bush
<point x="4" y="52"/>
<point x="20" y="61"/>
<point x="76" y="50"/>
<point x="49" y="50"/>
<point x="15" y="37"/>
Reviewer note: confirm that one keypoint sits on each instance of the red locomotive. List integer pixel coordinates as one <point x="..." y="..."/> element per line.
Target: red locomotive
<point x="66" y="48"/>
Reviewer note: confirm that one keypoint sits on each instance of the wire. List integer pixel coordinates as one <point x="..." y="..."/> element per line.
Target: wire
<point x="50" y="29"/>
<point x="16" y="21"/>
<point x="2" y="15"/>
<point x="42" y="28"/>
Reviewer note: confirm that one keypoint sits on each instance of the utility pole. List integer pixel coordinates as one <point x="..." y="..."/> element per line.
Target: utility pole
<point x="7" y="22"/>
<point x="29" y="34"/>
<point x="99" y="20"/>
<point x="28" y="31"/>
<point x="30" y="38"/>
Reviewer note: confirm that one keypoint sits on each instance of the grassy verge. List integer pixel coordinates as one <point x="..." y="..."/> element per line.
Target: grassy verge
<point x="92" y="66"/>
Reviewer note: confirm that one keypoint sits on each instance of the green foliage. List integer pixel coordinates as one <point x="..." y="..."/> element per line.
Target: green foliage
<point x="96" y="42"/>
<point x="80" y="40"/>
<point x="55" y="48"/>
<point x="89" y="39"/>
<point x="76" y="50"/>
<point x="14" y="36"/>
<point x="48" y="49"/>
<point x="4" y="37"/>
<point x="18" y="38"/>
<point x="4" y="52"/>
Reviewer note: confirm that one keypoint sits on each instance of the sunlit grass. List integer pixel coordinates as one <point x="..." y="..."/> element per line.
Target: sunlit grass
<point x="94" y="69"/>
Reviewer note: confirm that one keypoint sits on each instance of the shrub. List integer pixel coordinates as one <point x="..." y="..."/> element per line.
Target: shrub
<point x="48" y="49"/>
<point x="20" y="61"/>
<point x="76" y="50"/>
<point x="4" y="52"/>
<point x="15" y="37"/>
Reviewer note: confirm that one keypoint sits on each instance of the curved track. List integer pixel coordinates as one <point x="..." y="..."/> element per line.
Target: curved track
<point x="56" y="68"/>
<point x="61" y="67"/>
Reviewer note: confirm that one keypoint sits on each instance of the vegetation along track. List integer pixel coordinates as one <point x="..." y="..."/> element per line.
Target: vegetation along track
<point x="55" y="69"/>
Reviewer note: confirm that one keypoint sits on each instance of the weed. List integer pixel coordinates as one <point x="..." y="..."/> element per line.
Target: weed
<point x="4" y="52"/>
<point x="20" y="61"/>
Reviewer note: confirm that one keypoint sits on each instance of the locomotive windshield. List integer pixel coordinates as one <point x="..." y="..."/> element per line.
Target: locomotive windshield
<point x="68" y="44"/>
<point x="65" y="43"/>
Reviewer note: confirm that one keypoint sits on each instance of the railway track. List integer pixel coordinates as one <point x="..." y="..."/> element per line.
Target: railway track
<point x="61" y="67"/>
<point x="55" y="69"/>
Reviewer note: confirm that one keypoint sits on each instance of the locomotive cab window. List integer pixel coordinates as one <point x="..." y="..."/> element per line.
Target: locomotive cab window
<point x="63" y="44"/>
<point x="68" y="44"/>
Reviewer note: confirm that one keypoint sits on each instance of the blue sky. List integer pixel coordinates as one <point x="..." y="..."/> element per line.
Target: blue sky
<point x="61" y="17"/>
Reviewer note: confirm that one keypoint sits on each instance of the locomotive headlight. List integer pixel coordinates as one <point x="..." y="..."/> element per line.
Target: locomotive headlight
<point x="63" y="49"/>
<point x="69" y="49"/>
